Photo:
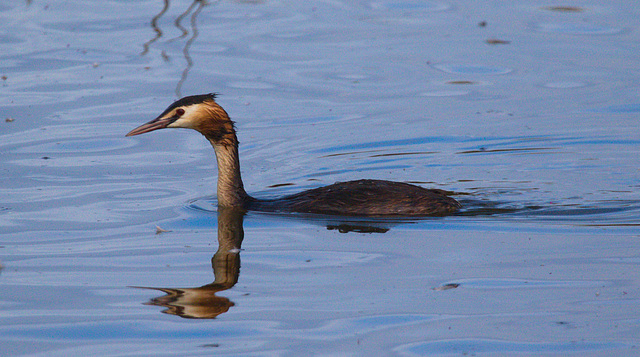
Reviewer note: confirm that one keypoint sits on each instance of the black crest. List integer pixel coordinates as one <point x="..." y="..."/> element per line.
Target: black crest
<point x="190" y="100"/>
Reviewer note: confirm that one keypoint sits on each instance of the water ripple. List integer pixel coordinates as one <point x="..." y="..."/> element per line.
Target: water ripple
<point x="475" y="347"/>
<point x="473" y="69"/>
<point x="578" y="29"/>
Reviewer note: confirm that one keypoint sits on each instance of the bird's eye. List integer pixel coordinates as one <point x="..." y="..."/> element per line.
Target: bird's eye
<point x="179" y="112"/>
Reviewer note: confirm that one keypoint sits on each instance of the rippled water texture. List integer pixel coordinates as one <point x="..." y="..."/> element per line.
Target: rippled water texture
<point x="114" y="246"/>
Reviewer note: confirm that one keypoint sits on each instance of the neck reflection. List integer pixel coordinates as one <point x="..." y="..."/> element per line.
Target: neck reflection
<point x="202" y="302"/>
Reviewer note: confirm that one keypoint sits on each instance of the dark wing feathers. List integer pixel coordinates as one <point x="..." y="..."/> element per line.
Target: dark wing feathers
<point x="370" y="198"/>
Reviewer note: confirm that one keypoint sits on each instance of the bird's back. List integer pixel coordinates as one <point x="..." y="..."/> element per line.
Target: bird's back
<point x="365" y="198"/>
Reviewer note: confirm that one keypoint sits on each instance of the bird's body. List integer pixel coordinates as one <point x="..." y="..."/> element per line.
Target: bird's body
<point x="353" y="198"/>
<point x="364" y="198"/>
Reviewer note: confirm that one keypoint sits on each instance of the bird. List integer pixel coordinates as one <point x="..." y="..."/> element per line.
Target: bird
<point x="366" y="197"/>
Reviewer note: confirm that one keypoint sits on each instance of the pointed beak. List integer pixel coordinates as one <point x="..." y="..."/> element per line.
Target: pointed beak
<point x="157" y="123"/>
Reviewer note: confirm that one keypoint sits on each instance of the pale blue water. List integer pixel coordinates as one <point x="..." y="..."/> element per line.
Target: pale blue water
<point x="528" y="110"/>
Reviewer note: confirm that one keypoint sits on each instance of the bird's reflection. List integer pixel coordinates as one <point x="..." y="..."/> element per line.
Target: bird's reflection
<point x="202" y="302"/>
<point x="194" y="9"/>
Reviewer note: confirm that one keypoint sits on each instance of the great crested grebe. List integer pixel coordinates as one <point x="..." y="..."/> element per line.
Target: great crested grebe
<point x="353" y="198"/>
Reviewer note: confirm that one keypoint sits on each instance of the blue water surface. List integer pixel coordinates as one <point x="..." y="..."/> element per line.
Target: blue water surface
<point x="526" y="112"/>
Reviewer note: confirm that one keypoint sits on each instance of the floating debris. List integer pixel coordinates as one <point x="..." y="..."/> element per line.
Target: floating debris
<point x="482" y="24"/>
<point x="495" y="41"/>
<point x="446" y="287"/>
<point x="461" y="82"/>
<point x="161" y="230"/>
<point x="564" y="8"/>
<point x="211" y="345"/>
<point x="9" y="120"/>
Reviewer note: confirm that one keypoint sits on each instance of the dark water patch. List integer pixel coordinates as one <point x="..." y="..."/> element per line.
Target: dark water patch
<point x="622" y="108"/>
<point x="481" y="208"/>
<point x="6" y="38"/>
<point x="603" y="213"/>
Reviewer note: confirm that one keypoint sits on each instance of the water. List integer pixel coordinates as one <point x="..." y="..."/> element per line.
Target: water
<point x="528" y="111"/>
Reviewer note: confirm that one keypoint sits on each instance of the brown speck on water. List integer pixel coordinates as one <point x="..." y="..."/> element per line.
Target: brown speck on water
<point x="564" y="8"/>
<point x="495" y="41"/>
<point x="446" y="287"/>
<point x="9" y="120"/>
<point x="211" y="345"/>
<point x="482" y="24"/>
<point x="461" y="82"/>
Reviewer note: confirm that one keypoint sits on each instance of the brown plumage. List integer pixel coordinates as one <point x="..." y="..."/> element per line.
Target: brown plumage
<point x="354" y="198"/>
<point x="364" y="198"/>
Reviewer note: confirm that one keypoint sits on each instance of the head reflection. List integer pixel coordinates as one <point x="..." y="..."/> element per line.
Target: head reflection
<point x="202" y="302"/>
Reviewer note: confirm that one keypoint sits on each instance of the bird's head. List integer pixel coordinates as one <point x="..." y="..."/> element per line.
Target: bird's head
<point x="197" y="112"/>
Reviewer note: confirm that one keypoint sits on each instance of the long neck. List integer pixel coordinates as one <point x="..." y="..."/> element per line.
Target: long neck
<point x="231" y="191"/>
